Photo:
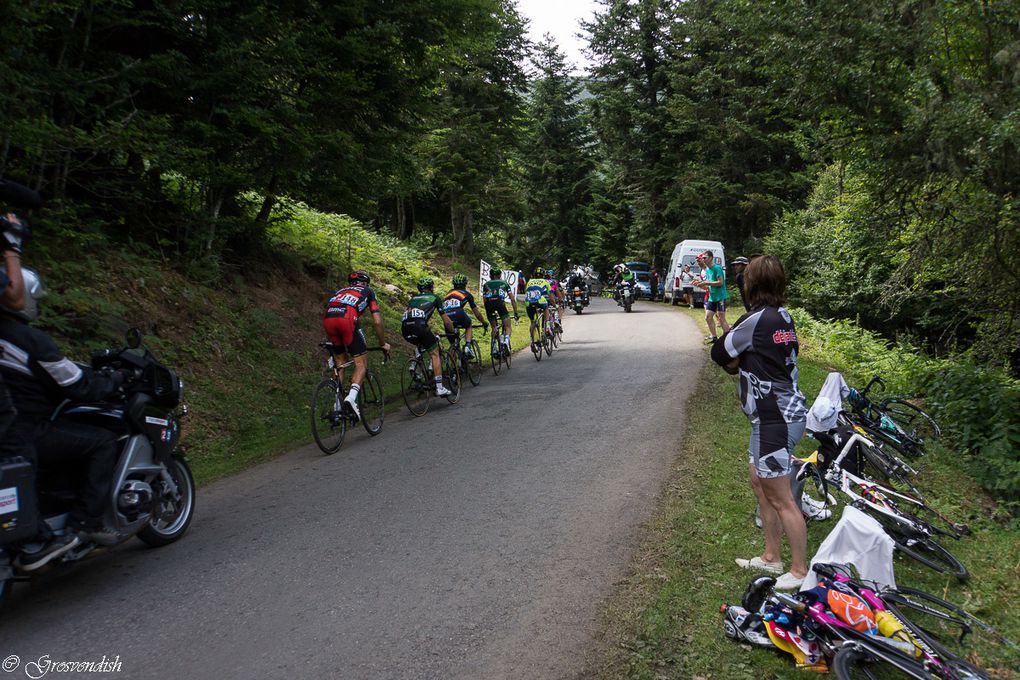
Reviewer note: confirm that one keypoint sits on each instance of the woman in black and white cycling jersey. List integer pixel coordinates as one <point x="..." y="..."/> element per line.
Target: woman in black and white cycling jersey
<point x="762" y="347"/>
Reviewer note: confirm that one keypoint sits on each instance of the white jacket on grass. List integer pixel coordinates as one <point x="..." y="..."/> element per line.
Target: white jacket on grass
<point x="860" y="540"/>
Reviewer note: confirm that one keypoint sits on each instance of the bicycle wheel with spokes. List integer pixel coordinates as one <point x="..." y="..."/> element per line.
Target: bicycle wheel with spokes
<point x="537" y="340"/>
<point x="953" y="632"/>
<point x="886" y="465"/>
<point x="416" y="386"/>
<point x="451" y="377"/>
<point x="328" y="423"/>
<point x="853" y="662"/>
<point x="495" y="355"/>
<point x="915" y="422"/>
<point x="923" y="549"/>
<point x="372" y="403"/>
<point x="474" y="363"/>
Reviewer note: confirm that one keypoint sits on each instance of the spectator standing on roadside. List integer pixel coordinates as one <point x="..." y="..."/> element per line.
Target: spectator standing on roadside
<point x="739" y="265"/>
<point x="715" y="302"/>
<point x="687" y="285"/>
<point x="762" y="348"/>
<point x="655" y="283"/>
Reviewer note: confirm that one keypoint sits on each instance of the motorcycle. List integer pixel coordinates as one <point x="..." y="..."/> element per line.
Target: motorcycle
<point x="626" y="294"/>
<point x="153" y="491"/>
<point x="579" y="300"/>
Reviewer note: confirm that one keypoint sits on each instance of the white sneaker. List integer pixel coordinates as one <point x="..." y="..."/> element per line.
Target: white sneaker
<point x="789" y="582"/>
<point x="441" y="391"/>
<point x="758" y="564"/>
<point x="352" y="406"/>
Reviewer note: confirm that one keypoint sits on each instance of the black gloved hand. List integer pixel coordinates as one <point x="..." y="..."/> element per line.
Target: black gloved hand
<point x="15" y="233"/>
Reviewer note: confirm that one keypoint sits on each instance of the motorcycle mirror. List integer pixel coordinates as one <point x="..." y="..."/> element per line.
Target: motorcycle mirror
<point x="134" y="338"/>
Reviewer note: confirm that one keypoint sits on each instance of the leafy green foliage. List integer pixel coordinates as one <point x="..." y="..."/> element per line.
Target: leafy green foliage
<point x="977" y="407"/>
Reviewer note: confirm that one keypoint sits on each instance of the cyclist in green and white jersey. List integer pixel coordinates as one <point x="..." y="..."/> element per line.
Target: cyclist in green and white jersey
<point x="495" y="293"/>
<point x="415" y="326"/>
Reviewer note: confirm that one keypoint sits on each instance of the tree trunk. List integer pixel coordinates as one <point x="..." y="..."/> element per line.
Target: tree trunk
<point x="462" y="222"/>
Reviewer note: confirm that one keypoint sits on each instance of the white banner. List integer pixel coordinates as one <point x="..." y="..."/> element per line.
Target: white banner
<point x="509" y="275"/>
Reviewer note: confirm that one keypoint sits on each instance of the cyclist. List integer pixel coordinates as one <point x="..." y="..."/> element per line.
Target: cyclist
<point x="341" y="322"/>
<point x="557" y="298"/>
<point x="537" y="295"/>
<point x="415" y="326"/>
<point x="456" y="303"/>
<point x="495" y="293"/>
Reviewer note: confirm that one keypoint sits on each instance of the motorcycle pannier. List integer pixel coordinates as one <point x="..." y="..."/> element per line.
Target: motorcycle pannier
<point x="19" y="515"/>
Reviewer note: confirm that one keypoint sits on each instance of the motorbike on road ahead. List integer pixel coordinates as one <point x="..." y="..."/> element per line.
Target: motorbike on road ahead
<point x="625" y="290"/>
<point x="578" y="299"/>
<point x="152" y="491"/>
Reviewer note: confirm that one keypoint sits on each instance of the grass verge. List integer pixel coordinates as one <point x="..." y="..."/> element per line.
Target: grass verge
<point x="664" y="620"/>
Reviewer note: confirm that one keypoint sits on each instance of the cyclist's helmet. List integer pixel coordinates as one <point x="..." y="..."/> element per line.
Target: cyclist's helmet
<point x="460" y="281"/>
<point x="425" y="283"/>
<point x="495" y="273"/>
<point x="618" y="268"/>
<point x="540" y="272"/>
<point x="359" y="276"/>
<point x="551" y="273"/>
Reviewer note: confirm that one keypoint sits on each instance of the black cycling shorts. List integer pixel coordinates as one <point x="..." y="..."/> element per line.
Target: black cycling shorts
<point x="418" y="333"/>
<point x="496" y="308"/>
<point x="460" y="319"/>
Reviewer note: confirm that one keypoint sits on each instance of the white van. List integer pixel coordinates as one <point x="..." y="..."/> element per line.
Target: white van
<point x="684" y="253"/>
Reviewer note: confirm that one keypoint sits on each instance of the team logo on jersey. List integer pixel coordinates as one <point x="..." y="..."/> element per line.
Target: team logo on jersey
<point x="784" y="337"/>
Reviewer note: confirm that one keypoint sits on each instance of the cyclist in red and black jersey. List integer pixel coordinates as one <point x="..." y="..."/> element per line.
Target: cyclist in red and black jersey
<point x="456" y="304"/>
<point x="343" y="328"/>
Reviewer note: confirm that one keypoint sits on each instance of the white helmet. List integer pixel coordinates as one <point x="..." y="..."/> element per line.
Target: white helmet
<point x="34" y="291"/>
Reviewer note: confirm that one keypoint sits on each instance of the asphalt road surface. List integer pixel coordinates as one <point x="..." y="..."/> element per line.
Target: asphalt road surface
<point x="479" y="541"/>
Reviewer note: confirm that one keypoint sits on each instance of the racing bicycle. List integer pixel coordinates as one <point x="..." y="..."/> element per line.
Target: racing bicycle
<point x="894" y="421"/>
<point x="499" y="354"/>
<point x="541" y="335"/>
<point x="330" y="419"/>
<point x="911" y="523"/>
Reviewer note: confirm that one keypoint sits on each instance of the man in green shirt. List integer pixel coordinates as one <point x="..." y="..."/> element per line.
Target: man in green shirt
<point x="415" y="326"/>
<point x="495" y="293"/>
<point x="715" y="283"/>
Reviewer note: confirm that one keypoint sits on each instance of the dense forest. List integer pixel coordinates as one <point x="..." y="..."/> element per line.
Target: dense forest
<point x="874" y="146"/>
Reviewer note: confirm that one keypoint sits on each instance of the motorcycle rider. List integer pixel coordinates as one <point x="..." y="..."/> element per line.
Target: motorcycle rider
<point x="343" y="328"/>
<point x="623" y="274"/>
<point x="577" y="279"/>
<point x="40" y="379"/>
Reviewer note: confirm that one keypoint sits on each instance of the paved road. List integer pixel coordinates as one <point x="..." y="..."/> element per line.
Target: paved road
<point x="476" y="542"/>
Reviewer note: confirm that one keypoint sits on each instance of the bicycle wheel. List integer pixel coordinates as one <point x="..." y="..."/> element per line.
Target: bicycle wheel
<point x="495" y="355"/>
<point x="451" y="377"/>
<point x="855" y="662"/>
<point x="912" y="419"/>
<point x="372" y="403"/>
<point x="950" y="630"/>
<point x="537" y="340"/>
<point x="328" y="424"/>
<point x="547" y="342"/>
<point x="885" y="465"/>
<point x="923" y="549"/>
<point x="474" y="364"/>
<point x="416" y="386"/>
